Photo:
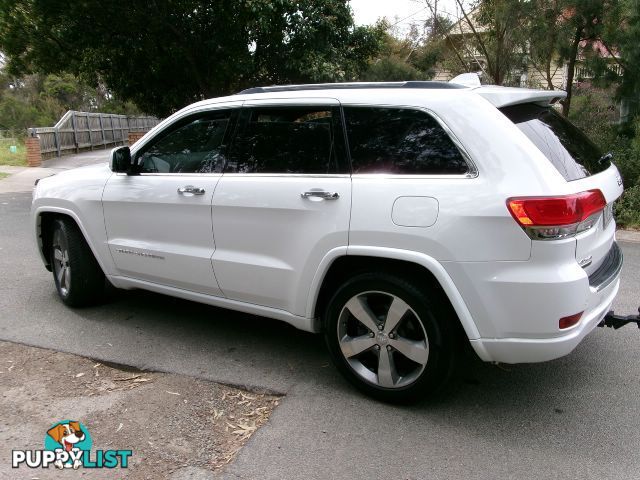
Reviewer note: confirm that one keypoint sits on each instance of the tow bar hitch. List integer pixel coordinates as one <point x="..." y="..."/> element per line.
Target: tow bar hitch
<point x="616" y="321"/>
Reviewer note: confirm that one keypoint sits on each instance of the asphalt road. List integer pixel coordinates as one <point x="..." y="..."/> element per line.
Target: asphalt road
<point x="576" y="417"/>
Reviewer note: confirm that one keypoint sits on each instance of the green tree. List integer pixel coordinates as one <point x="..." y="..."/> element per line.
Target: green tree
<point x="621" y="38"/>
<point x="548" y="32"/>
<point x="68" y="91"/>
<point x="163" y="54"/>
<point x="586" y="21"/>
<point x="396" y="57"/>
<point x="497" y="35"/>
<point x="21" y="104"/>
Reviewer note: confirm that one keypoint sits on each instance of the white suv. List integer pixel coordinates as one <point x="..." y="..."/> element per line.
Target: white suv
<point x="396" y="218"/>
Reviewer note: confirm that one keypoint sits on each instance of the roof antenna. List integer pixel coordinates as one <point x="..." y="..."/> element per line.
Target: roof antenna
<point x="467" y="79"/>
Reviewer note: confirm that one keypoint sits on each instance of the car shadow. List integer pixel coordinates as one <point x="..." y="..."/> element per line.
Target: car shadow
<point x="245" y="342"/>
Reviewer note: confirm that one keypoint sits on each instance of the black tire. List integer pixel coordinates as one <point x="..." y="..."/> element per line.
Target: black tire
<point x="429" y="324"/>
<point x="78" y="277"/>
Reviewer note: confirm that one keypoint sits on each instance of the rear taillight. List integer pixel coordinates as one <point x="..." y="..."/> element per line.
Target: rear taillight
<point x="550" y="218"/>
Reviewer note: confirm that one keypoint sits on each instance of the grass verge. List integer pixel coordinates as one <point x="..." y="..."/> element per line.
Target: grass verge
<point x="17" y="159"/>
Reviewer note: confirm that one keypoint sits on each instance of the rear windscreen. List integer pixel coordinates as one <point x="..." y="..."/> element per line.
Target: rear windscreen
<point x="566" y="147"/>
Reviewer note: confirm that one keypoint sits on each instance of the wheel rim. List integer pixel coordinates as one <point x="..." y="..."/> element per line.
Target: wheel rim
<point x="382" y="339"/>
<point x="61" y="267"/>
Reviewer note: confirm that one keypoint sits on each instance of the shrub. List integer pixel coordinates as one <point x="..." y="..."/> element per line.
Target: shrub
<point x="626" y="156"/>
<point x="628" y="208"/>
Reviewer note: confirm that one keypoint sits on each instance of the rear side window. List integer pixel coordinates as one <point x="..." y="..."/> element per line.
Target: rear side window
<point x="564" y="145"/>
<point x="286" y="140"/>
<point x="401" y="141"/>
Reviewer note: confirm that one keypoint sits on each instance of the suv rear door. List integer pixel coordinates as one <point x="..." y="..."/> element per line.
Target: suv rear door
<point x="283" y="202"/>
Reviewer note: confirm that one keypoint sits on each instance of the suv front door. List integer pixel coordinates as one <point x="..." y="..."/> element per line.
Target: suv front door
<point x="283" y="202"/>
<point x="159" y="222"/>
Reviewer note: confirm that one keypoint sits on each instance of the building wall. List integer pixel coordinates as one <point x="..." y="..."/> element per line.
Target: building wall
<point x="537" y="79"/>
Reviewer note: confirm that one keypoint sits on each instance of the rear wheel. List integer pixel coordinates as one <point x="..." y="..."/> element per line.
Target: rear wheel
<point x="76" y="273"/>
<point x="392" y="340"/>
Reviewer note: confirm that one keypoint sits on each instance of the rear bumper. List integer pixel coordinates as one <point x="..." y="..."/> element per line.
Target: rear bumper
<point x="530" y="350"/>
<point x="517" y="305"/>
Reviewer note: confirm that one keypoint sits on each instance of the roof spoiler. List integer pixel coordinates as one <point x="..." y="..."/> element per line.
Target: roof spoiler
<point x="507" y="96"/>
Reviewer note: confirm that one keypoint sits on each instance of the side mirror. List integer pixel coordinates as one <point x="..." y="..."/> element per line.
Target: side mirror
<point x="120" y="160"/>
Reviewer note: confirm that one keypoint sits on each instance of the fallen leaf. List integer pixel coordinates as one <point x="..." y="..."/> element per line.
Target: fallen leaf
<point x="81" y="374"/>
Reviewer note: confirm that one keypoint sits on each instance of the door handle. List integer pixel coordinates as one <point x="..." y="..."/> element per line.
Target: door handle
<point x="191" y="189"/>
<point x="321" y="194"/>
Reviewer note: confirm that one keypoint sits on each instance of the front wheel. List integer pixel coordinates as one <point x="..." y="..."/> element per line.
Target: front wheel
<point x="392" y="340"/>
<point x="76" y="273"/>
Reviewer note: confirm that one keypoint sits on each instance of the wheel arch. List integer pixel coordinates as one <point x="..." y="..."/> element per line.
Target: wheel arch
<point x="401" y="262"/>
<point x="44" y="220"/>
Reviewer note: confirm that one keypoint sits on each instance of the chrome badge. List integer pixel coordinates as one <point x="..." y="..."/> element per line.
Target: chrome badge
<point x="139" y="254"/>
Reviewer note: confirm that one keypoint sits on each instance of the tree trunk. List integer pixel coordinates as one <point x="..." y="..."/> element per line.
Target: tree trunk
<point x="566" y="104"/>
<point x="549" y="76"/>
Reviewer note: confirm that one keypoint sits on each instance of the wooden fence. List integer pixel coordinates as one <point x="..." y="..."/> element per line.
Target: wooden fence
<point x="81" y="131"/>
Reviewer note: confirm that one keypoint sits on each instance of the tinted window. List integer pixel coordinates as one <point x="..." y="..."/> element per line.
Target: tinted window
<point x="193" y="147"/>
<point x="400" y="141"/>
<point x="566" y="147"/>
<point x="285" y="140"/>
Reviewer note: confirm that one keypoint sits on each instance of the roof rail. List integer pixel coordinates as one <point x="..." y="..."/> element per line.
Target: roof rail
<point x="352" y="86"/>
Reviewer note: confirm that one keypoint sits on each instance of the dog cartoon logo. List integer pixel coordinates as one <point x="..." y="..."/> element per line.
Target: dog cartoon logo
<point x="68" y="444"/>
<point x="71" y="437"/>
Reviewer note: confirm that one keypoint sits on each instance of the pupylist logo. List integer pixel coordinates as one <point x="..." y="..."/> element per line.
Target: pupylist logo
<point x="67" y="444"/>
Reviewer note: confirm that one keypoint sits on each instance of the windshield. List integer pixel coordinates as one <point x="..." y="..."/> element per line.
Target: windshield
<point x="564" y="145"/>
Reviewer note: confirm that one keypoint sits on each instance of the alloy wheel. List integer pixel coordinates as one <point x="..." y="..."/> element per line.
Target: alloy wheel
<point x="61" y="266"/>
<point x="382" y="339"/>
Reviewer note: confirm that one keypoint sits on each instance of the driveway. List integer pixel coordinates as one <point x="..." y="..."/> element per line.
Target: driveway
<point x="575" y="417"/>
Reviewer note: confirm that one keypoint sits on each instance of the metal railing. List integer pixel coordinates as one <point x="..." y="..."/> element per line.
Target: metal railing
<point x="81" y="131"/>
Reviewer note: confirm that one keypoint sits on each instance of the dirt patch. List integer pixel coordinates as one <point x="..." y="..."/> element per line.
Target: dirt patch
<point x="176" y="426"/>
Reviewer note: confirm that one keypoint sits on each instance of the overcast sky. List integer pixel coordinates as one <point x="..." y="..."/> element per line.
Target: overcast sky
<point x="405" y="12"/>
